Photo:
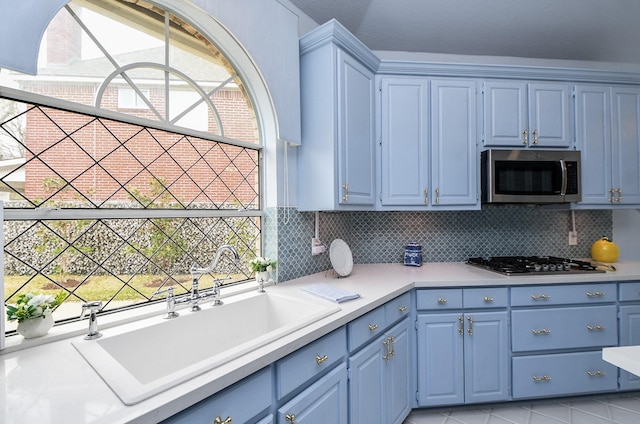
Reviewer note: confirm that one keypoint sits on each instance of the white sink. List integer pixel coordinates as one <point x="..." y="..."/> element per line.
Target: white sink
<point x="142" y="359"/>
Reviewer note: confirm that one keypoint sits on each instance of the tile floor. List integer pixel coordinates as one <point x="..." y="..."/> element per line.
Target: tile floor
<point x="614" y="409"/>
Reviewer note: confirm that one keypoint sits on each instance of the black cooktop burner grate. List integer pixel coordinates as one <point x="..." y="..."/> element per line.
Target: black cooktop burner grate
<point x="533" y="265"/>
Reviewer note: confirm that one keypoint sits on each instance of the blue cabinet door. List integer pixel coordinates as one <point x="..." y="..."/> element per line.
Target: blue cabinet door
<point x="325" y="401"/>
<point x="398" y="374"/>
<point x="505" y="114"/>
<point x="550" y="115"/>
<point x="404" y="141"/>
<point x="367" y="384"/>
<point x="486" y="357"/>
<point x="379" y="379"/>
<point x="626" y="145"/>
<point x="454" y="134"/>
<point x="629" y="336"/>
<point x="593" y="139"/>
<point x="356" y="144"/>
<point x="440" y="359"/>
<point x="518" y="114"/>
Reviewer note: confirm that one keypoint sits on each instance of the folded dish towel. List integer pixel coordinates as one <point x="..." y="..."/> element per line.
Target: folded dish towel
<point x="331" y="293"/>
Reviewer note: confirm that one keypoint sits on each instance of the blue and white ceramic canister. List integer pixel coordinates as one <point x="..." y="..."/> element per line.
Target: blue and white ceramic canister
<point x="413" y="254"/>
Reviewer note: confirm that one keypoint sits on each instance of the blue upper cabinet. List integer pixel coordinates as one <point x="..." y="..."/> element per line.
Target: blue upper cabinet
<point x="336" y="161"/>
<point x="428" y="143"/>
<point x="454" y="135"/>
<point x="405" y="154"/>
<point x="608" y="135"/>
<point x="521" y="114"/>
<point x="626" y="145"/>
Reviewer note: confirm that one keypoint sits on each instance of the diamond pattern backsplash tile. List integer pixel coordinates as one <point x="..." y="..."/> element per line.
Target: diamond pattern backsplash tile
<point x="448" y="236"/>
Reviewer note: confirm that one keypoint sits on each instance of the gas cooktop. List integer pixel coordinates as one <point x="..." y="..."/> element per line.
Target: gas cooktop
<point x="533" y="265"/>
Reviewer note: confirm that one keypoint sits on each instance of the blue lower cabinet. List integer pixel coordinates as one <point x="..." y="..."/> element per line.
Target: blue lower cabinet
<point x="325" y="401"/>
<point x="379" y="379"/>
<point x="232" y="405"/>
<point x="463" y="358"/>
<point x="629" y="336"/>
<point x="562" y="374"/>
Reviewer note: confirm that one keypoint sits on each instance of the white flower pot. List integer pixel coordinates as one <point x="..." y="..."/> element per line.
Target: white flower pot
<point x="263" y="276"/>
<point x="36" y="327"/>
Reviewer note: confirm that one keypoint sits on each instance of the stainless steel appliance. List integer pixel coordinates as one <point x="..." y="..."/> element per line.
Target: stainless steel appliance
<point x="533" y="265"/>
<point x="531" y="176"/>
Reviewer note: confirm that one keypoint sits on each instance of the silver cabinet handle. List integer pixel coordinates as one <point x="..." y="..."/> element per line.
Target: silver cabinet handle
<point x="488" y="299"/>
<point x="595" y="294"/>
<point x="426" y="195"/>
<point x="291" y="418"/>
<point x="402" y="308"/>
<point x="470" y="329"/>
<point x="596" y="327"/>
<point x="535" y="136"/>
<point x="543" y="378"/>
<point x="525" y="136"/>
<point x="596" y="373"/>
<point x="345" y="197"/>
<point x="437" y="196"/>
<point x="321" y="359"/>
<point x="442" y="300"/>
<point x="218" y="420"/>
<point x="373" y="327"/>
<point x="461" y="327"/>
<point x="540" y="297"/>
<point x="541" y="331"/>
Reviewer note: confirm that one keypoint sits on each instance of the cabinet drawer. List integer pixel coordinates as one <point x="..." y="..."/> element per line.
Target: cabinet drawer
<point x="562" y="374"/>
<point x="629" y="291"/>
<point x="231" y="402"/>
<point x="366" y="327"/>
<point x="563" y="328"/>
<point x="492" y="297"/>
<point x="439" y="299"/>
<point x="305" y="363"/>
<point x="563" y="295"/>
<point x="397" y="308"/>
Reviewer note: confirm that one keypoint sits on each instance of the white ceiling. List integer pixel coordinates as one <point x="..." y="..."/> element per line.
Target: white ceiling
<point x="594" y="30"/>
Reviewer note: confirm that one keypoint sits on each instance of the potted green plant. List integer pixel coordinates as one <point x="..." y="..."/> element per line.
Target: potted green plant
<point x="33" y="313"/>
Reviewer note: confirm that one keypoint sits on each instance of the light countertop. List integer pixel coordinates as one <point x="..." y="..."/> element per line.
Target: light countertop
<point x="52" y="383"/>
<point x="625" y="357"/>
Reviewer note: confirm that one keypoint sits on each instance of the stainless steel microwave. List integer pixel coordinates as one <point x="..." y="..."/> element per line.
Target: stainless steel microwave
<point x="530" y="176"/>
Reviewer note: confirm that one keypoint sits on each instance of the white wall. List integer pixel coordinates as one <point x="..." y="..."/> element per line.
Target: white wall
<point x="626" y="233"/>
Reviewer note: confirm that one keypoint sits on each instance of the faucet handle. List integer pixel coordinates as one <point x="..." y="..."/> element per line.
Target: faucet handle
<point x="92" y="308"/>
<point x="171" y="302"/>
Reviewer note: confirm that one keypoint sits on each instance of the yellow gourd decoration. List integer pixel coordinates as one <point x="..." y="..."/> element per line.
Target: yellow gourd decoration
<point x="604" y="250"/>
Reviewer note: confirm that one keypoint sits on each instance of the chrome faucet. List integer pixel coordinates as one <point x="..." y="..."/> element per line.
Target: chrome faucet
<point x="92" y="308"/>
<point x="196" y="272"/>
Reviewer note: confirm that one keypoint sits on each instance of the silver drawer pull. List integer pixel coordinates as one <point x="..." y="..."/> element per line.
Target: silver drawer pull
<point x="540" y="297"/>
<point x="595" y="294"/>
<point x="543" y="378"/>
<point x="373" y="327"/>
<point x="321" y="359"/>
<point x="541" y="331"/>
<point x="488" y="299"/>
<point x="596" y="327"/>
<point x="218" y="420"/>
<point x="596" y="374"/>
<point x="402" y="308"/>
<point x="442" y="300"/>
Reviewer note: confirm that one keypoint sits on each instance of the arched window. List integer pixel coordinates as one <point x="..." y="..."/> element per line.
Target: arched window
<point x="132" y="154"/>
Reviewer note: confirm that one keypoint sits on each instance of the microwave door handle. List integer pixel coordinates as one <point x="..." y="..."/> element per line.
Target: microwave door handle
<point x="565" y="176"/>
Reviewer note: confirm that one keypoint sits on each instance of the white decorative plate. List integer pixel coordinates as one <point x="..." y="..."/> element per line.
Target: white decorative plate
<point x="341" y="258"/>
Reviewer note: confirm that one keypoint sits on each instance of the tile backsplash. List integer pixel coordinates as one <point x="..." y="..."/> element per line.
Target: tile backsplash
<point x="447" y="236"/>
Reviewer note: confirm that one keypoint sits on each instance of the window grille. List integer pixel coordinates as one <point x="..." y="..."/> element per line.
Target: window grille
<point x="113" y="201"/>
